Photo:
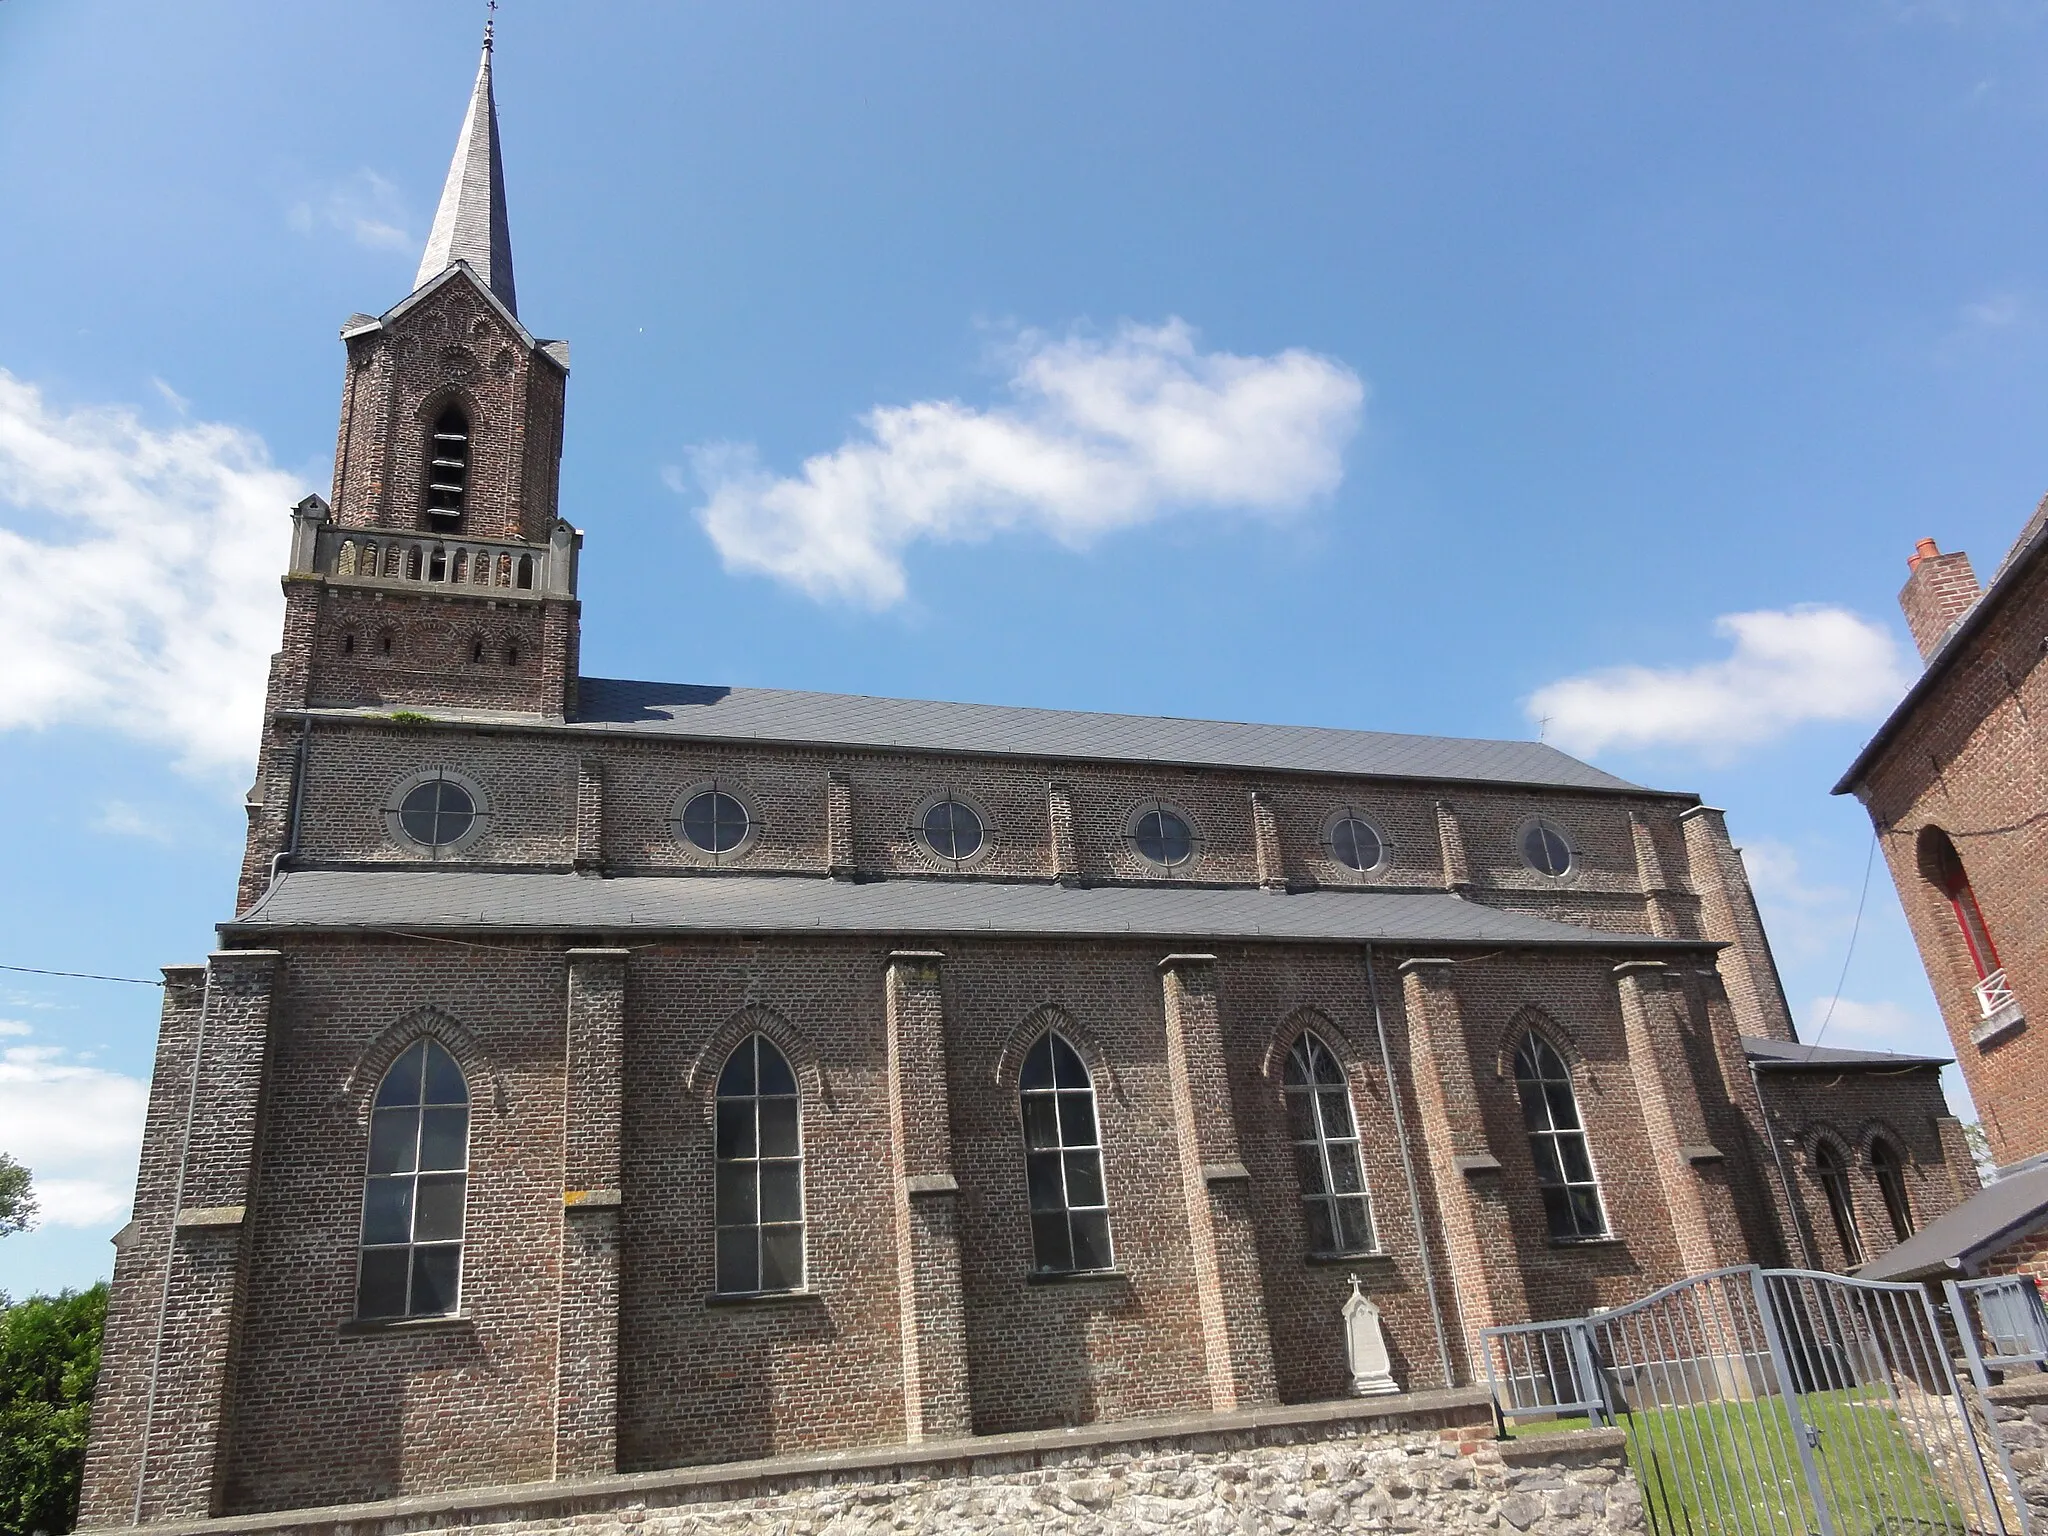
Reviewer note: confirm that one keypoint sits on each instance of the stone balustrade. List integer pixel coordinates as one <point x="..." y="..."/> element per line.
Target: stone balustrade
<point x="320" y="548"/>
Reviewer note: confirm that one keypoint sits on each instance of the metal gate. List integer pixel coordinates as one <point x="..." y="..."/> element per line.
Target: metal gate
<point x="1769" y="1401"/>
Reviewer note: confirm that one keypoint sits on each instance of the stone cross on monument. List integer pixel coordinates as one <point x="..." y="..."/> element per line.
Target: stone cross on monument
<point x="1365" y="1347"/>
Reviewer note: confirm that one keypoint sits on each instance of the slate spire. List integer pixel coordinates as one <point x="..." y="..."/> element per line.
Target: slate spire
<point x="470" y="224"/>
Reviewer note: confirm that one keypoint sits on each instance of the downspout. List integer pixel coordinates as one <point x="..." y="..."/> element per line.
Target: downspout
<point x="1436" y="1309"/>
<point x="299" y="759"/>
<point x="1784" y="1179"/>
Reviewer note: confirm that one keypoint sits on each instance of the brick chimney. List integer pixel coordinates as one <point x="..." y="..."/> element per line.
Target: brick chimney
<point x="1940" y="591"/>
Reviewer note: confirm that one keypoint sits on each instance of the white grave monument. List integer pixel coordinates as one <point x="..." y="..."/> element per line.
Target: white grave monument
<point x="1365" y="1347"/>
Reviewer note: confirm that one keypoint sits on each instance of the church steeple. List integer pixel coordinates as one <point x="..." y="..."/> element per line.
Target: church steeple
<point x="470" y="224"/>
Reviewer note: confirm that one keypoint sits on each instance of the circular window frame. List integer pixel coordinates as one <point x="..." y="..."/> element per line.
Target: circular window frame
<point x="1197" y="843"/>
<point x="1573" y="863"/>
<point x="959" y="796"/>
<point x="1326" y="841"/>
<point x="749" y="802"/>
<point x="394" y="803"/>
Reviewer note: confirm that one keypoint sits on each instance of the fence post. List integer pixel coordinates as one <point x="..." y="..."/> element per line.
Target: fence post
<point x="1788" y="1388"/>
<point x="1585" y="1364"/>
<point x="1980" y="1380"/>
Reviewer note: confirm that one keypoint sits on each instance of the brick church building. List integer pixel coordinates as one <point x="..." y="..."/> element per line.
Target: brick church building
<point x="599" y="1075"/>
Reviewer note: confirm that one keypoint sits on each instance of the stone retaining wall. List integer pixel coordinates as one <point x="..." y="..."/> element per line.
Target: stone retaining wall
<point x="2019" y="1408"/>
<point x="1428" y="1464"/>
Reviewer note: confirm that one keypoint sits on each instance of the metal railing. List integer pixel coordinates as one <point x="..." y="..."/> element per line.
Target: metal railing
<point x="2001" y="1323"/>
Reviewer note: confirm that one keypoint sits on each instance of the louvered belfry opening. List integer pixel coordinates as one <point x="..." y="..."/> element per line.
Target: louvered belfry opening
<point x="448" y="469"/>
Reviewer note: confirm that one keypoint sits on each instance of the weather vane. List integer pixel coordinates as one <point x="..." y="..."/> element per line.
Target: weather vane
<point x="490" y="19"/>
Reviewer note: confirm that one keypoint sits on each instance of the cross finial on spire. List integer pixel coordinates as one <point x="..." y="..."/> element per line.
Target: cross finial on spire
<point x="470" y="224"/>
<point x="490" y="22"/>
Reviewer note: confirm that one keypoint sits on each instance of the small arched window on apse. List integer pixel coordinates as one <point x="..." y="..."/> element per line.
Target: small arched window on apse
<point x="1335" y="1204"/>
<point x="1831" y="1171"/>
<point x="1063" y="1161"/>
<point x="448" y="469"/>
<point x="1890" y="1170"/>
<point x="1941" y="864"/>
<point x="415" y="1188"/>
<point x="760" y="1194"/>
<point x="1557" y="1142"/>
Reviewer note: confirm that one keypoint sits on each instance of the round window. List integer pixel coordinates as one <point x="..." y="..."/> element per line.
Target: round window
<point x="1356" y="844"/>
<point x="1163" y="837"/>
<point x="953" y="830"/>
<point x="715" y="822"/>
<point x="1544" y="848"/>
<point x="436" y="813"/>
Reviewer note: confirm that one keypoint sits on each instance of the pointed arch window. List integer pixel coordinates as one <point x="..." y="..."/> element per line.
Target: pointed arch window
<point x="760" y="1193"/>
<point x="1335" y="1202"/>
<point x="1890" y="1170"/>
<point x="448" y="468"/>
<point x="1831" y="1169"/>
<point x="416" y="1188"/>
<point x="1557" y="1142"/>
<point x="1945" y="867"/>
<point x="1063" y="1161"/>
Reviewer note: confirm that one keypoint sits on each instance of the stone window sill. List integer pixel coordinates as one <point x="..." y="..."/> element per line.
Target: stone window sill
<point x="1608" y="1241"/>
<point x="761" y="1298"/>
<point x="1370" y="1256"/>
<point x="1074" y="1276"/>
<point x="448" y="1322"/>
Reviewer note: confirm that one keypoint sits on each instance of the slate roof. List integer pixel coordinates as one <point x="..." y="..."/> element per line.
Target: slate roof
<point x="1793" y="1056"/>
<point x="790" y="718"/>
<point x="470" y="223"/>
<point x="1997" y="1215"/>
<point x="427" y="899"/>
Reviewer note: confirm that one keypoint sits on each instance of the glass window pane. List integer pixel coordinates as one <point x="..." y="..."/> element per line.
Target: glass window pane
<point x="444" y="1078"/>
<point x="416" y="816"/>
<point x="1328" y="1072"/>
<point x="401" y="1084"/>
<point x="435" y="1274"/>
<point x="1297" y="1064"/>
<point x="1564" y="1110"/>
<point x="1301" y="1116"/>
<point x="698" y="824"/>
<point x="1041" y="1121"/>
<point x="1535" y="1113"/>
<point x="1356" y="1218"/>
<point x="394" y="1137"/>
<point x="1308" y="1167"/>
<point x="776" y="1077"/>
<point x="1068" y="1068"/>
<point x="1578" y="1168"/>
<point x="738" y="1260"/>
<point x="735" y="1127"/>
<point x="1322" y="1230"/>
<point x="1336" y="1113"/>
<point x="782" y="1196"/>
<point x="967" y="831"/>
<point x="387" y="1210"/>
<point x="437" y="1209"/>
<point x="444" y="1138"/>
<point x="736" y="1194"/>
<point x="1037" y="1071"/>
<point x="1077" y="1119"/>
<point x="782" y="1258"/>
<point x="778" y="1127"/>
<point x="1344" y="1169"/>
<point x="380" y="1290"/>
<point x="1084" y="1178"/>
<point x="1050" y="1247"/>
<point x="1042" y="1172"/>
<point x="1586" y="1213"/>
<point x="1557" y="1212"/>
<point x="737" y="1080"/>
<point x="1176" y="840"/>
<point x="1544" y="1149"/>
<point x="1091" y="1240"/>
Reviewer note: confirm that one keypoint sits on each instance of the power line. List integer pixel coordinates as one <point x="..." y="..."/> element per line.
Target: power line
<point x="1841" y="981"/>
<point x="133" y="981"/>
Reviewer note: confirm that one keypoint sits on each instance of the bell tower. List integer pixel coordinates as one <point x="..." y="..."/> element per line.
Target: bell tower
<point x="442" y="578"/>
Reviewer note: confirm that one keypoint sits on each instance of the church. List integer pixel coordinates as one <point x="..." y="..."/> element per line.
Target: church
<point x="597" y="1076"/>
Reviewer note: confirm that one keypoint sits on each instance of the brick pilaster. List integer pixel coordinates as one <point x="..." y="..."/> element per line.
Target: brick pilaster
<point x="1650" y="878"/>
<point x="1478" y="1234"/>
<point x="1266" y="837"/>
<point x="839" y="824"/>
<point x="1236" y="1337"/>
<point x="1451" y="838"/>
<point x="587" y="1342"/>
<point x="1066" y="857"/>
<point x="1691" y="1171"/>
<point x="590" y="815"/>
<point x="198" y="1317"/>
<point x="1728" y="914"/>
<point x="928" y="1286"/>
<point x="120" y="1404"/>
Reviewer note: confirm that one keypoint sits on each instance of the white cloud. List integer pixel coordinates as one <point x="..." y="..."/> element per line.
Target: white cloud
<point x="1102" y="434"/>
<point x="363" y="205"/>
<point x="124" y="820"/>
<point x="1787" y="667"/>
<point x="76" y="1128"/>
<point x="138" y="575"/>
<point x="1879" y="1026"/>
<point x="1805" y="921"/>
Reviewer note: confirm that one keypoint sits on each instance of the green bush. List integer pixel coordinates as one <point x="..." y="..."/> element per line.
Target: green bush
<point x="49" y="1362"/>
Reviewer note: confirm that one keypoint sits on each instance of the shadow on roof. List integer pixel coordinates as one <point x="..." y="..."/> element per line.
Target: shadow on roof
<point x="615" y="699"/>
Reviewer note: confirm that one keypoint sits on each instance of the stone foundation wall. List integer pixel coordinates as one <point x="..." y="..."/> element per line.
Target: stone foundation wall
<point x="1340" y="1469"/>
<point x="2020" y="1409"/>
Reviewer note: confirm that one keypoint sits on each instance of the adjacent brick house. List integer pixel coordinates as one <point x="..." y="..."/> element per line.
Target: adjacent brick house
<point x="604" y="1075"/>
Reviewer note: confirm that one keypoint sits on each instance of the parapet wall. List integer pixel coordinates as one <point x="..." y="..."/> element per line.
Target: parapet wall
<point x="1420" y="1462"/>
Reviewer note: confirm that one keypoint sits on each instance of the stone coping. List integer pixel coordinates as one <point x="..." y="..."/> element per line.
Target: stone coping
<point x="2030" y="1388"/>
<point x="1567" y="1445"/>
<point x="1407" y="1411"/>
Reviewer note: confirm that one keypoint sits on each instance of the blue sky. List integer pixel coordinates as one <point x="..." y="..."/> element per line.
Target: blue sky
<point x="1474" y="352"/>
